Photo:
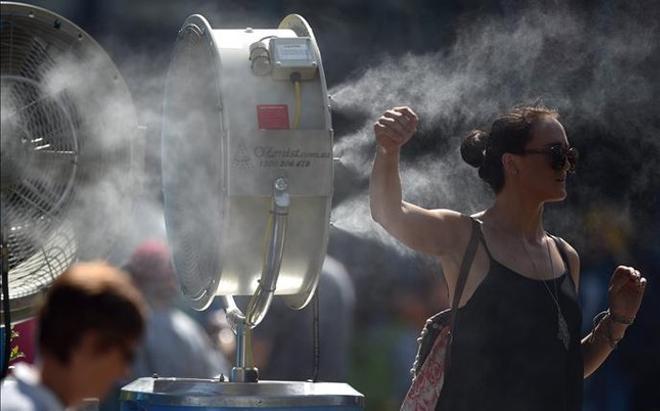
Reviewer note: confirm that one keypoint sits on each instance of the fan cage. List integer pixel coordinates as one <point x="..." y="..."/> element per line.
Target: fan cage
<point x="39" y="155"/>
<point x="192" y="129"/>
<point x="67" y="145"/>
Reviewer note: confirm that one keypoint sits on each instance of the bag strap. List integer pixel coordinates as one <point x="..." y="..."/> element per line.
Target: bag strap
<point x="562" y="246"/>
<point x="468" y="257"/>
<point x="560" y="243"/>
<point x="470" y="251"/>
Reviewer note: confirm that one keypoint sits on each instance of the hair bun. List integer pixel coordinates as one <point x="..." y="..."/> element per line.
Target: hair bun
<point x="473" y="149"/>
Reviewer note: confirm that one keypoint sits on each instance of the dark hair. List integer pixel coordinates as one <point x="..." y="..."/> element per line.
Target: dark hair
<point x="509" y="133"/>
<point x="90" y="297"/>
<point x="150" y="268"/>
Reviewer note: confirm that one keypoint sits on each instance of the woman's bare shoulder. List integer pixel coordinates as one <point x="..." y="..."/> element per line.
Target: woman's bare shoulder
<point x="457" y="228"/>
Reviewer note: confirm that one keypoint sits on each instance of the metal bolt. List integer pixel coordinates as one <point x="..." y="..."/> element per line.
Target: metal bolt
<point x="281" y="184"/>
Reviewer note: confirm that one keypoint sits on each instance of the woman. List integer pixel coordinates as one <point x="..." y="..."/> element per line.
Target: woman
<point x="516" y="345"/>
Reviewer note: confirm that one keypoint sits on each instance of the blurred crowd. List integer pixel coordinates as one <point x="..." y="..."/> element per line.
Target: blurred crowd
<point x="369" y="317"/>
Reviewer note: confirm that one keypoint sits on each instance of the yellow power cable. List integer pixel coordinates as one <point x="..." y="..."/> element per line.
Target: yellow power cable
<point x="298" y="106"/>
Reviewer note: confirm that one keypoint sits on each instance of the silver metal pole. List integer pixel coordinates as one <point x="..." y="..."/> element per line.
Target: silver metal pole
<point x="260" y="302"/>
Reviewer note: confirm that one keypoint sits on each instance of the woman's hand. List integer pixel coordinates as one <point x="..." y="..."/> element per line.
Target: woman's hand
<point x="394" y="128"/>
<point x="625" y="293"/>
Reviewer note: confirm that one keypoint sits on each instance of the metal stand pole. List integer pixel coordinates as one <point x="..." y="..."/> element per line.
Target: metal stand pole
<point x="242" y="324"/>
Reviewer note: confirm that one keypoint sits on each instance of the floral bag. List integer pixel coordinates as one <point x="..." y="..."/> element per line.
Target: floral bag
<point x="433" y="351"/>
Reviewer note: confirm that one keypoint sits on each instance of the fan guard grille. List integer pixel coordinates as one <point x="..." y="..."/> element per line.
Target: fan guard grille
<point x="194" y="196"/>
<point x="68" y="152"/>
<point x="39" y="155"/>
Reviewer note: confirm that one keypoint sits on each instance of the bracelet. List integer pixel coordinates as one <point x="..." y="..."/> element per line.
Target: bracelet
<point x="598" y="319"/>
<point x="613" y="342"/>
<point x="619" y="318"/>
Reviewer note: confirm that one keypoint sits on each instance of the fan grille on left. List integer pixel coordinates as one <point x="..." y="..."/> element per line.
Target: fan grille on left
<point x="39" y="156"/>
<point x="71" y="150"/>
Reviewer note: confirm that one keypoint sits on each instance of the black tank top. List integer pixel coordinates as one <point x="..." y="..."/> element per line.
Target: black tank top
<point x="505" y="352"/>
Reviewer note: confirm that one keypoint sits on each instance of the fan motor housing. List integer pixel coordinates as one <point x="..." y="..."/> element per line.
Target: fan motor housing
<point x="229" y="132"/>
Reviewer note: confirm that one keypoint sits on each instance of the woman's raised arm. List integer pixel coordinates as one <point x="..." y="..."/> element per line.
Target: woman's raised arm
<point x="433" y="232"/>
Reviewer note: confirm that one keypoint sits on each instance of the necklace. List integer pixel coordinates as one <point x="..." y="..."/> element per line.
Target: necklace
<point x="563" y="333"/>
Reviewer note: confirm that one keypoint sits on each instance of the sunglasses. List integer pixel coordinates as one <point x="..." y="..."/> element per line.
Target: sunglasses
<point x="558" y="155"/>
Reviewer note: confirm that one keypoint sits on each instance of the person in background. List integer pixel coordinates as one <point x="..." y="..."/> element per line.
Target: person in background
<point x="88" y="328"/>
<point x="283" y="342"/>
<point x="517" y="343"/>
<point x="174" y="344"/>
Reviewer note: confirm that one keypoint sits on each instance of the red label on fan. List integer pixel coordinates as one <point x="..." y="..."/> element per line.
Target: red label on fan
<point x="273" y="116"/>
